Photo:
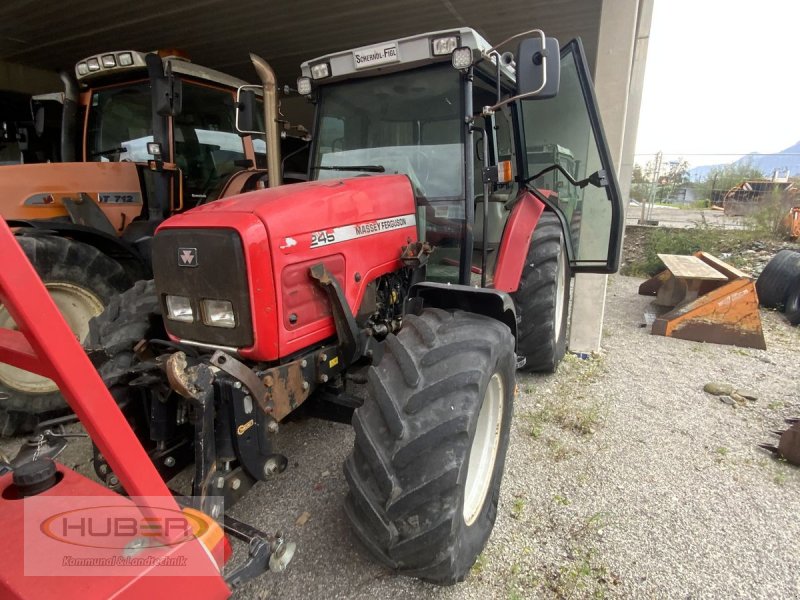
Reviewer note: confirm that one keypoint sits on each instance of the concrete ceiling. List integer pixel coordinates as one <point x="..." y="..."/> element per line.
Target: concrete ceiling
<point x="219" y="34"/>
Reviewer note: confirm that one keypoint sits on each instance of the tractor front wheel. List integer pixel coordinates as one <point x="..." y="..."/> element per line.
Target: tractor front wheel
<point x="81" y="280"/>
<point x="542" y="300"/>
<point x="430" y="444"/>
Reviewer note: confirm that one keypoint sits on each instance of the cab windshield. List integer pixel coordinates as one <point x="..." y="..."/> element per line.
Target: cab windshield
<point x="120" y="124"/>
<point x="207" y="148"/>
<point x="406" y="122"/>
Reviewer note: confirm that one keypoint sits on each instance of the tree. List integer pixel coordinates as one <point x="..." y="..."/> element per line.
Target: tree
<point x="724" y="177"/>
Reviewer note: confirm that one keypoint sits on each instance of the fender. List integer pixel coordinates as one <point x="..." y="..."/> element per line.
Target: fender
<point x="110" y="245"/>
<point x="516" y="241"/>
<point x="483" y="301"/>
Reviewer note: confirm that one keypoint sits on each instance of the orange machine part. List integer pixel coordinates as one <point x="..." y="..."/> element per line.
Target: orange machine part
<point x="727" y="315"/>
<point x="792" y="223"/>
<point x="35" y="191"/>
<point x="724" y="312"/>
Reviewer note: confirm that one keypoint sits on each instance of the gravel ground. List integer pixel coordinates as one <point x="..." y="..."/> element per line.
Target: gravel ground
<point x="623" y="479"/>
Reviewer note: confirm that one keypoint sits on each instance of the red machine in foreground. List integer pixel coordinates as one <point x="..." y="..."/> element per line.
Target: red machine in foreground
<point x="40" y="566"/>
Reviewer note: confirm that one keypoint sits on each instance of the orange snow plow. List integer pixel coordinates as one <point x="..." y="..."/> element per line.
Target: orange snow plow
<point x="704" y="299"/>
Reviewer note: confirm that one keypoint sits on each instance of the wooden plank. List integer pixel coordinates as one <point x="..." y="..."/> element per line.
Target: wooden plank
<point x="721" y="266"/>
<point x="690" y="267"/>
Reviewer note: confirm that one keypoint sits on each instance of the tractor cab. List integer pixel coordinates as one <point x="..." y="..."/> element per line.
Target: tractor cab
<point x="193" y="119"/>
<point x="446" y="109"/>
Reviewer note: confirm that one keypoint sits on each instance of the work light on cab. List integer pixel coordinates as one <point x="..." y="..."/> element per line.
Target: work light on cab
<point x="304" y="86"/>
<point x="444" y="45"/>
<point x="320" y="70"/>
<point x="462" y="58"/>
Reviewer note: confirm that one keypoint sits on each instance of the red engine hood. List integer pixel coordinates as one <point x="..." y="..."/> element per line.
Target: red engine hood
<point x="306" y="208"/>
<point x="356" y="227"/>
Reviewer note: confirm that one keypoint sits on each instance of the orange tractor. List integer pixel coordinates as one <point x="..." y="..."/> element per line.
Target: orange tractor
<point x="143" y="137"/>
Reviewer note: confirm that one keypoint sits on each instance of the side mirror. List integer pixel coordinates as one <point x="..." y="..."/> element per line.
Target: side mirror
<point x="169" y="94"/>
<point x="538" y="67"/>
<point x="246" y="107"/>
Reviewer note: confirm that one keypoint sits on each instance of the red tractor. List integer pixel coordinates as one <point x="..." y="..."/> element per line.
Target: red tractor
<point x="400" y="289"/>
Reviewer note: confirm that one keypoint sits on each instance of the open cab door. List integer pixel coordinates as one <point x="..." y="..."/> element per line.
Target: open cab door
<point x="566" y="152"/>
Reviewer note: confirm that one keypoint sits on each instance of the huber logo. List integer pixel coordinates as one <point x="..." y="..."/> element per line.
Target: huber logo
<point x="113" y="527"/>
<point x="187" y="257"/>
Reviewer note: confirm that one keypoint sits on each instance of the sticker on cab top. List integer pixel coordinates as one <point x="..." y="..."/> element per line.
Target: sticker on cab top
<point x="336" y="235"/>
<point x="375" y="55"/>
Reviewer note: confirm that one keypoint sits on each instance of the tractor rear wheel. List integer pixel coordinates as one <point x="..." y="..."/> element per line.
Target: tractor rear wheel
<point x="430" y="444"/>
<point x="542" y="300"/>
<point x="773" y="283"/>
<point x="81" y="280"/>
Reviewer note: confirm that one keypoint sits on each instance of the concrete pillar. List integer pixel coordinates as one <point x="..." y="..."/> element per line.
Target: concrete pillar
<point x="618" y="76"/>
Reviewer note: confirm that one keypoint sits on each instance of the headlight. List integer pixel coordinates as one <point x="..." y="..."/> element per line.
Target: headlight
<point x="109" y="61"/>
<point x="94" y="64"/>
<point x="125" y="59"/>
<point x="218" y="313"/>
<point x="82" y="68"/>
<point x="179" y="308"/>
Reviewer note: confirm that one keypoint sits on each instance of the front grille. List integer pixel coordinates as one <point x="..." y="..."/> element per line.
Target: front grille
<point x="204" y="264"/>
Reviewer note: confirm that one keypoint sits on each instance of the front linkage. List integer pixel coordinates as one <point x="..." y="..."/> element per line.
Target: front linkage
<point x="226" y="412"/>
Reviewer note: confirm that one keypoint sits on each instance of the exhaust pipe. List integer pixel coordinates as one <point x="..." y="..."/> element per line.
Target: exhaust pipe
<point x="270" y="85"/>
<point x="69" y="117"/>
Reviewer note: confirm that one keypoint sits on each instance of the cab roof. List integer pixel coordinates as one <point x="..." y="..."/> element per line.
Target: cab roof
<point x="400" y="54"/>
<point x="127" y="61"/>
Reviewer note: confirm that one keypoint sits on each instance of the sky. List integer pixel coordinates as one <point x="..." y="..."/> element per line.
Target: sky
<point x="721" y="77"/>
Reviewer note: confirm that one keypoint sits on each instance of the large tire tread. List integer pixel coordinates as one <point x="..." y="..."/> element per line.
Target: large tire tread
<point x="773" y="283"/>
<point x="792" y="308"/>
<point x="535" y="299"/>
<point x="412" y="437"/>
<point x="129" y="317"/>
<point x="58" y="260"/>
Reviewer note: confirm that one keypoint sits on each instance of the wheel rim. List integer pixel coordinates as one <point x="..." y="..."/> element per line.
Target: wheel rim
<point x="561" y="284"/>
<point x="77" y="305"/>
<point x="483" y="453"/>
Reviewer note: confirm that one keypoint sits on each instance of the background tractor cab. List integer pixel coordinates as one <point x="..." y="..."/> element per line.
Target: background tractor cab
<point x="142" y="137"/>
<point x="450" y="111"/>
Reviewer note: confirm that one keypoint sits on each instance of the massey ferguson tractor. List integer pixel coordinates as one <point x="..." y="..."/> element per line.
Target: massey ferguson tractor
<point x="142" y="137"/>
<point x="399" y="289"/>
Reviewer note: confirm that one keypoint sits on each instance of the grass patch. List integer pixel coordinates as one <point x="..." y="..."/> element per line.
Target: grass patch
<point x="517" y="508"/>
<point x="577" y="415"/>
<point x="480" y="564"/>
<point x="685" y="241"/>
<point x="584" y="577"/>
<point x="775" y="405"/>
<point x="562" y="500"/>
